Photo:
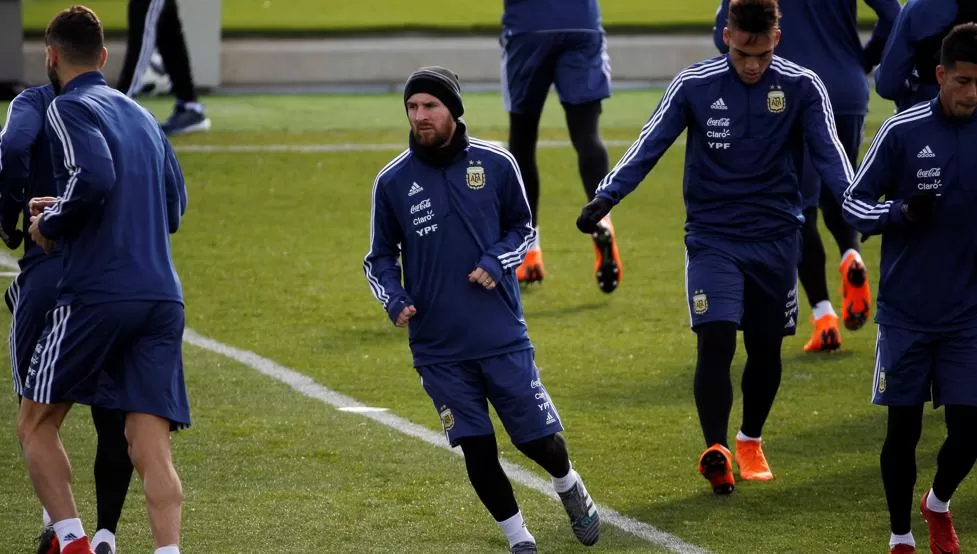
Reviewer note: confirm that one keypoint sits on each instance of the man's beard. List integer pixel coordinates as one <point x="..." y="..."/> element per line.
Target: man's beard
<point x="52" y="76"/>
<point x="435" y="140"/>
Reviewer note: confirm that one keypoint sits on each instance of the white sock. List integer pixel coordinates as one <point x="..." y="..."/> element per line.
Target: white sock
<point x="194" y="107"/>
<point x="68" y="531"/>
<point x="514" y="528"/>
<point x="171" y="549"/>
<point x="823" y="308"/>
<point x="851" y="251"/>
<point x="741" y="437"/>
<point x="565" y="483"/>
<point x="895" y="539"/>
<point x="104" y="535"/>
<point x="46" y="518"/>
<point x="934" y="504"/>
<point x="535" y="244"/>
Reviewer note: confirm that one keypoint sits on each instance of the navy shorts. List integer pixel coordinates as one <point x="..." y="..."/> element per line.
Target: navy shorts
<point x="813" y="191"/>
<point x="31" y="295"/>
<point x="752" y="284"/>
<point x="123" y="356"/>
<point x="575" y="61"/>
<point x="461" y="392"/>
<point x="912" y="367"/>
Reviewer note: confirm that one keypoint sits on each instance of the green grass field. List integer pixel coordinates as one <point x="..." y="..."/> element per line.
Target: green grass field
<point x="290" y="16"/>
<point x="270" y="256"/>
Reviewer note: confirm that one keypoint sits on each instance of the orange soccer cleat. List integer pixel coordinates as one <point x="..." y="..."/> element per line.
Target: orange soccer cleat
<point x="751" y="461"/>
<point x="607" y="267"/>
<point x="857" y="304"/>
<point x="903" y="549"/>
<point x="716" y="466"/>
<point x="531" y="270"/>
<point x="827" y="335"/>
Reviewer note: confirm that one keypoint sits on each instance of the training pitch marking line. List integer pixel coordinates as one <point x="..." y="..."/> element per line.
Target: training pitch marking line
<point x="308" y="387"/>
<point x="348" y="147"/>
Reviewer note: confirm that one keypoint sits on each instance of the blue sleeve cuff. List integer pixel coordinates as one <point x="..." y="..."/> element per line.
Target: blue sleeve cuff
<point x="492" y="266"/>
<point x="397" y="305"/>
<point x="895" y="213"/>
<point x="48" y="229"/>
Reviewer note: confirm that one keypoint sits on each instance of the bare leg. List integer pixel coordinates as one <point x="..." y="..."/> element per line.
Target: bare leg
<point x="149" y="449"/>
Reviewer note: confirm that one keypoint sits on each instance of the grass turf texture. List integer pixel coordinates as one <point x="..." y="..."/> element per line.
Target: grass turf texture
<point x="270" y="256"/>
<point x="315" y="16"/>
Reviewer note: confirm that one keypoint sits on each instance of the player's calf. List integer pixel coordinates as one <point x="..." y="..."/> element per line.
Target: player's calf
<point x="149" y="449"/>
<point x="551" y="454"/>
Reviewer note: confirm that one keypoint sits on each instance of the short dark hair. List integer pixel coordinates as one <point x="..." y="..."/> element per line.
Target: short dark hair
<point x="959" y="46"/>
<point x="756" y="17"/>
<point x="77" y="32"/>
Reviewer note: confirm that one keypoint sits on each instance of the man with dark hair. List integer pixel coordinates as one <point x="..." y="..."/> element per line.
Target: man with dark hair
<point x="747" y="114"/>
<point x="561" y="42"/>
<point x="927" y="343"/>
<point x="155" y="24"/>
<point x="114" y="338"/>
<point x="26" y="172"/>
<point x="822" y="35"/>
<point x="445" y="203"/>
<point x="907" y="74"/>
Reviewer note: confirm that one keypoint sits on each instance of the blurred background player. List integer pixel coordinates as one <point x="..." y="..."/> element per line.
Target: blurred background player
<point x="561" y="42"/>
<point x="743" y="216"/>
<point x="922" y="162"/>
<point x="155" y="24"/>
<point x="26" y="172"/>
<point x="444" y="202"/>
<point x="114" y="338"/>
<point x="822" y="35"/>
<point x="907" y="73"/>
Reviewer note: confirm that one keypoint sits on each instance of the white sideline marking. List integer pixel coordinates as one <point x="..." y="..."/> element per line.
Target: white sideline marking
<point x="362" y="409"/>
<point x="349" y="147"/>
<point x="308" y="387"/>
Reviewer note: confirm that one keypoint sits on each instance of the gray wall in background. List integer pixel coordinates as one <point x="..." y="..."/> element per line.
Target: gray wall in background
<point x="11" y="42"/>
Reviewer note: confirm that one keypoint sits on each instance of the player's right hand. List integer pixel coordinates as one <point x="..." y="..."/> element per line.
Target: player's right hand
<point x="920" y="208"/>
<point x="38" y="204"/>
<point x="596" y="210"/>
<point x="405" y="315"/>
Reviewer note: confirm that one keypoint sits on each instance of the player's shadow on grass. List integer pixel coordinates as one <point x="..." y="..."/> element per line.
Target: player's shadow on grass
<point x="791" y="355"/>
<point x="562" y="311"/>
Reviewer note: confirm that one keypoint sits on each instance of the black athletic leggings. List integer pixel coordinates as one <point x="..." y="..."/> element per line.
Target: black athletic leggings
<point x="898" y="458"/>
<point x="113" y="468"/>
<point x="714" y="388"/>
<point x="155" y="24"/>
<point x="488" y="478"/>
<point x="582" y="123"/>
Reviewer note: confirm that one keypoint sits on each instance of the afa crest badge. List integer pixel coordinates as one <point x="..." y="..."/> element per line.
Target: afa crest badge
<point x="776" y="100"/>
<point x="447" y="419"/>
<point x="700" y="302"/>
<point x="475" y="176"/>
<point x="881" y="382"/>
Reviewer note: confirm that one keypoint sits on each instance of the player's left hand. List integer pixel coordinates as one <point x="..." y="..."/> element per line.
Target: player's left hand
<point x="481" y="277"/>
<point x="592" y="213"/>
<point x="35" y="231"/>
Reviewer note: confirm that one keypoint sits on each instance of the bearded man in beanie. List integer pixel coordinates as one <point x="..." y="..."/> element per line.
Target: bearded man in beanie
<point x="449" y="225"/>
